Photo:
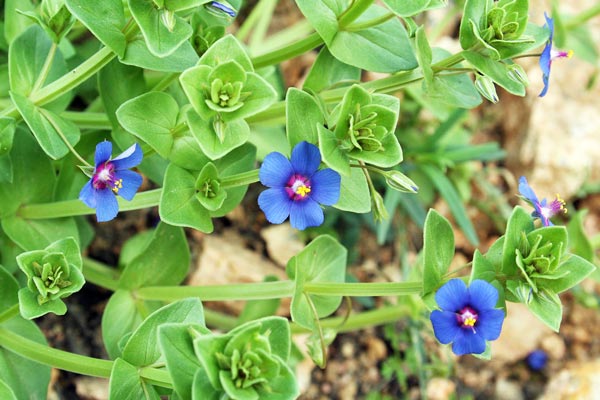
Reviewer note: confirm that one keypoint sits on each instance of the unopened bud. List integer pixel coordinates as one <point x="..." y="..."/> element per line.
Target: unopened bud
<point x="221" y="9"/>
<point x="485" y="86"/>
<point x="380" y="213"/>
<point x="400" y="182"/>
<point x="517" y="74"/>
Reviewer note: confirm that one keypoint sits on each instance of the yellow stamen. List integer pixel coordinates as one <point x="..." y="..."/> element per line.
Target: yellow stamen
<point x="118" y="184"/>
<point x="563" y="204"/>
<point x="569" y="53"/>
<point x="303" y="190"/>
<point x="470" y="321"/>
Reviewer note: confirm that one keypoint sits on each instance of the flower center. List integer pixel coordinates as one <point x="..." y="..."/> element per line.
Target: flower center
<point x="105" y="177"/>
<point x="557" y="205"/>
<point x="554" y="54"/>
<point x="467" y="318"/>
<point x="298" y="187"/>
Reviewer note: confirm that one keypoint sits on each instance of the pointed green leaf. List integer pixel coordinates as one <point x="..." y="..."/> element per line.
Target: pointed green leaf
<point x="126" y="383"/>
<point x="354" y="193"/>
<point x="438" y="250"/>
<point x="303" y="115"/>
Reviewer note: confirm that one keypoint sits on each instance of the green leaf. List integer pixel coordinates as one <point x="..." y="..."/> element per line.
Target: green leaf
<point x="228" y="48"/>
<point x="33" y="176"/>
<point x="482" y="268"/>
<point x="121" y="316"/>
<point x="449" y="193"/>
<point x="354" y="193"/>
<point x="160" y="40"/>
<point x="519" y="222"/>
<point x="47" y="127"/>
<point x="497" y="70"/>
<point x="26" y="59"/>
<point x="178" y="204"/>
<point x="253" y="309"/>
<point x="142" y="347"/>
<point x="16" y="23"/>
<point x="571" y="271"/>
<point x="202" y="389"/>
<point x="424" y="55"/>
<point x="333" y="156"/>
<point x="164" y="261"/>
<point x="327" y="72"/>
<point x="323" y="260"/>
<point x="438" y="250"/>
<point x="70" y="249"/>
<point x="371" y="48"/>
<point x="323" y="15"/>
<point x="547" y="307"/>
<point x="302" y="116"/>
<point x="8" y="289"/>
<point x="7" y="133"/>
<point x="579" y="243"/>
<point x="38" y="233"/>
<point x="131" y="84"/>
<point x="126" y="383"/>
<point x="27" y="379"/>
<point x="105" y="19"/>
<point x="137" y="54"/>
<point x="30" y="307"/>
<point x="6" y="169"/>
<point x="233" y="134"/>
<point x="6" y="392"/>
<point x="408" y="8"/>
<point x="176" y="344"/>
<point x="474" y="17"/>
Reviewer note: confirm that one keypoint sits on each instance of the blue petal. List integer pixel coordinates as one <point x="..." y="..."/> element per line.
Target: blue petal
<point x="325" y="187"/>
<point x="467" y="342"/>
<point x="445" y="325"/>
<point x="306" y="159"/>
<point x="550" y="26"/>
<point x="546" y="80"/>
<point x="106" y="205"/>
<point x="306" y="213"/>
<point x="224" y="8"/>
<point x="131" y="183"/>
<point x="275" y="170"/>
<point x="103" y="152"/>
<point x="129" y="158"/>
<point x="489" y="324"/>
<point x="526" y="191"/>
<point x="87" y="195"/>
<point x="484" y="295"/>
<point x="453" y="296"/>
<point x="276" y="204"/>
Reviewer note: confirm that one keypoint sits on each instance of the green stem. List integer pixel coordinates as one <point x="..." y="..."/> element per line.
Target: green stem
<point x="363" y="289"/>
<point x="165" y="82"/>
<point x="100" y="275"/>
<point x="239" y="291"/>
<point x="68" y="208"/>
<point x="356" y="9"/>
<point x="291" y="51"/>
<point x="370" y="23"/>
<point x="45" y="68"/>
<point x="72" y="362"/>
<point x="9" y="313"/>
<point x="88" y="120"/>
<point x="583" y="17"/>
<point x="241" y="179"/>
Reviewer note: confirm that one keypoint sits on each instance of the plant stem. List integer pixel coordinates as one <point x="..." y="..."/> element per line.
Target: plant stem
<point x="356" y="9"/>
<point x="291" y="51"/>
<point x="370" y="23"/>
<point x="88" y="120"/>
<point x="9" y="313"/>
<point x="241" y="179"/>
<point x="68" y="208"/>
<point x="239" y="291"/>
<point x="45" y="68"/>
<point x="100" y="275"/>
<point x="363" y="289"/>
<point x="72" y="362"/>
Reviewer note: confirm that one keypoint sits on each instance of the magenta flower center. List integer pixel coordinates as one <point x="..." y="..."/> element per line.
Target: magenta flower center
<point x="298" y="187"/>
<point x="467" y="317"/>
<point x="104" y="177"/>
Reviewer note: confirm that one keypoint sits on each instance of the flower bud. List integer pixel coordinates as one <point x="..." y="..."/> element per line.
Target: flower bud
<point x="400" y="182"/>
<point x="485" y="86"/>
<point x="517" y="74"/>
<point x="380" y="213"/>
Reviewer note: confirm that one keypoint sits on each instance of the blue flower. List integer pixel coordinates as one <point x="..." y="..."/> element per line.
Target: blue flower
<point x="297" y="187"/>
<point x="218" y="8"/>
<point x="549" y="55"/>
<point x="111" y="177"/>
<point x="543" y="210"/>
<point x="537" y="359"/>
<point x="468" y="317"/>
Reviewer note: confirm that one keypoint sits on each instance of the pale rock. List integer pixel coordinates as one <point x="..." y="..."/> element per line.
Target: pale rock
<point x="554" y="346"/>
<point x="578" y="382"/>
<point x="225" y="260"/>
<point x="91" y="388"/>
<point x="376" y="349"/>
<point x="440" y="389"/>
<point x="508" y="390"/>
<point x="282" y="242"/>
<point x="521" y="334"/>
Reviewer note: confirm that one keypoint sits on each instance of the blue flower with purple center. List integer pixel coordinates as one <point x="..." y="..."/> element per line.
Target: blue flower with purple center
<point x="537" y="360"/>
<point x="542" y="209"/>
<point x="549" y="55"/>
<point x="467" y="317"/>
<point x="297" y="187"/>
<point x="111" y="177"/>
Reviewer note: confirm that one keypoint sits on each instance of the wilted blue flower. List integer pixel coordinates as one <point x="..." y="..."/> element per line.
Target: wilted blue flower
<point x="221" y="7"/>
<point x="543" y="210"/>
<point x="111" y="177"/>
<point x="468" y="317"/>
<point x="537" y="359"/>
<point x="297" y="187"/>
<point x="549" y="55"/>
